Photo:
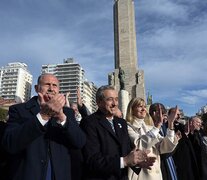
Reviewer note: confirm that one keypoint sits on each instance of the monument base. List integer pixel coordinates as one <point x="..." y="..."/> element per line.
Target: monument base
<point x="123" y="101"/>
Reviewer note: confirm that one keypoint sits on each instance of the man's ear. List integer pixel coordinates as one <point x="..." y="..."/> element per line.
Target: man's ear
<point x="36" y="88"/>
<point x="98" y="103"/>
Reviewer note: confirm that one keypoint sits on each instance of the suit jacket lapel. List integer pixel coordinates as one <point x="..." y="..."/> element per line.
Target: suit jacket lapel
<point x="118" y="129"/>
<point x="33" y="106"/>
<point x="104" y="123"/>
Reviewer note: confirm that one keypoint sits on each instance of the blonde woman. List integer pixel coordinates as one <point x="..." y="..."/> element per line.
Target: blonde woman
<point x="147" y="137"/>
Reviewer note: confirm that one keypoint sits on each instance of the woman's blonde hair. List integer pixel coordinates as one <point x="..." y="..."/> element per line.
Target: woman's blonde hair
<point x="148" y="120"/>
<point x="133" y="103"/>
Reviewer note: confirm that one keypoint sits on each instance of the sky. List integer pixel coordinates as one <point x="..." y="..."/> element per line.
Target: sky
<point x="171" y="42"/>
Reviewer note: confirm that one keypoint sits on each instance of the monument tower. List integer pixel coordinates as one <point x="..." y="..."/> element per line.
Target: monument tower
<point x="126" y="51"/>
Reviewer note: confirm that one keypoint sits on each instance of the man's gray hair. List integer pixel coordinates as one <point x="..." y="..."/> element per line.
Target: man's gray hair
<point x="42" y="75"/>
<point x="99" y="93"/>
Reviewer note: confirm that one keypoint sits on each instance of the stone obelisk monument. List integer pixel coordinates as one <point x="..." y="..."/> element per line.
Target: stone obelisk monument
<point x="126" y="51"/>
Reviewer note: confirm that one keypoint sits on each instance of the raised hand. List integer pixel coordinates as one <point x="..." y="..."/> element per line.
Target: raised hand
<point x="172" y="117"/>
<point x="158" y="117"/>
<point x="79" y="100"/>
<point x="67" y="103"/>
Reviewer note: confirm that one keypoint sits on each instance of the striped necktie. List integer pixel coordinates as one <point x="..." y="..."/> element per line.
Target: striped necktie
<point x="112" y="124"/>
<point x="169" y="160"/>
<point x="171" y="166"/>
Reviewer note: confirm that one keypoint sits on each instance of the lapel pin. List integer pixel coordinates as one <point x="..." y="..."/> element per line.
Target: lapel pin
<point x="120" y="126"/>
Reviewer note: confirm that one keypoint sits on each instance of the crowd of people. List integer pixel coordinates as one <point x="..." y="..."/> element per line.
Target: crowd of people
<point x="50" y="138"/>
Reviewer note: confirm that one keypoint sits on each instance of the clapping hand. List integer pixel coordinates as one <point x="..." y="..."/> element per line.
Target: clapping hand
<point x="52" y="106"/>
<point x="139" y="158"/>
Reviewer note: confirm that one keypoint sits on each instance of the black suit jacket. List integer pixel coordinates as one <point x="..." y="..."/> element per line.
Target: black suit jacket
<point x="76" y="154"/>
<point x="104" y="148"/>
<point x="185" y="158"/>
<point x="4" y="156"/>
<point x="196" y="141"/>
<point x="29" y="141"/>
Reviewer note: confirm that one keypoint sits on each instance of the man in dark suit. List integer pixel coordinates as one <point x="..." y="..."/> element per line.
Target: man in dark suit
<point x="4" y="156"/>
<point x="40" y="134"/>
<point x="108" y="151"/>
<point x="184" y="155"/>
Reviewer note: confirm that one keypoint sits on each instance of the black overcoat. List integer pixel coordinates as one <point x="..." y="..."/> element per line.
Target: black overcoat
<point x="28" y="141"/>
<point x="104" y="148"/>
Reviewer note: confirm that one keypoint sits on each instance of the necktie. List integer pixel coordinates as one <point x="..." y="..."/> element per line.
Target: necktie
<point x="171" y="166"/>
<point x="49" y="171"/>
<point x="49" y="166"/>
<point x="112" y="124"/>
<point x="169" y="160"/>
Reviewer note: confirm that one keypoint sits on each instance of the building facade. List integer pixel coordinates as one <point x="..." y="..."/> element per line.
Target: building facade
<point x="15" y="82"/>
<point x="89" y="99"/>
<point x="71" y="76"/>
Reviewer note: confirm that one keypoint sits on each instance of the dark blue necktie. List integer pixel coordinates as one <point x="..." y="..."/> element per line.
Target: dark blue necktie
<point x="49" y="166"/>
<point x="169" y="160"/>
<point x="49" y="171"/>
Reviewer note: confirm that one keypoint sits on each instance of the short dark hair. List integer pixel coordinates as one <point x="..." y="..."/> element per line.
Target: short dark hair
<point x="154" y="107"/>
<point x="99" y="93"/>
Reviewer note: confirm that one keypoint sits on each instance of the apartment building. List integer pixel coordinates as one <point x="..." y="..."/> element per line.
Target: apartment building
<point x="89" y="99"/>
<point x="71" y="76"/>
<point x="15" y="82"/>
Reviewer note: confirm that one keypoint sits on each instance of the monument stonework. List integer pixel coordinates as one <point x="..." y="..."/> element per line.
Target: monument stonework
<point x="126" y="50"/>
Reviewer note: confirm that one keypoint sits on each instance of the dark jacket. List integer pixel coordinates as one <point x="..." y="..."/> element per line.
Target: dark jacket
<point x="184" y="157"/>
<point x="29" y="142"/>
<point x="4" y="156"/>
<point x="104" y="148"/>
<point x="76" y="154"/>
<point x="196" y="141"/>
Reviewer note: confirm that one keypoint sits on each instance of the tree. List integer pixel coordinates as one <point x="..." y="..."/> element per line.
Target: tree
<point x="3" y="114"/>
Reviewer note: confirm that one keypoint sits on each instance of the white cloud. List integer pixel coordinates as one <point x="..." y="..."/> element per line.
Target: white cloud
<point x="166" y="8"/>
<point x="171" y="38"/>
<point x="201" y="93"/>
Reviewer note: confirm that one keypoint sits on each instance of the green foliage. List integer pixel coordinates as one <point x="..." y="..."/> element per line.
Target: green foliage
<point x="3" y="114"/>
<point x="204" y="117"/>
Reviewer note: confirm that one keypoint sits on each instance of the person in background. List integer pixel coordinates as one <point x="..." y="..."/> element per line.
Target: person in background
<point x="148" y="138"/>
<point x="40" y="134"/>
<point x="184" y="154"/>
<point x="195" y="136"/>
<point x="203" y="153"/>
<point x="80" y="109"/>
<point x="108" y="152"/>
<point x="167" y="163"/>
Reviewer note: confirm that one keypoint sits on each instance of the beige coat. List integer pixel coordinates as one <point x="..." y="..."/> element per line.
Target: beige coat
<point x="148" y="137"/>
